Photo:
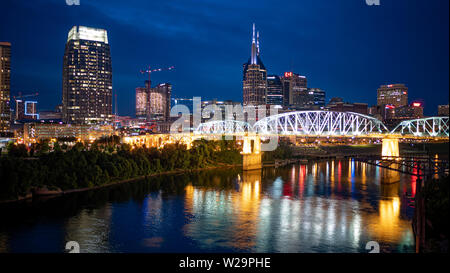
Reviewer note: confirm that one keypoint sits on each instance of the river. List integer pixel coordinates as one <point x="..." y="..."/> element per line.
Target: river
<point x="323" y="206"/>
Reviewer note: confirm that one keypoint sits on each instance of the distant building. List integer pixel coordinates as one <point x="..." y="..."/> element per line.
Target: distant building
<point x="361" y="108"/>
<point x="255" y="76"/>
<point x="294" y="89"/>
<point x="189" y="103"/>
<point x="412" y="111"/>
<point x="87" y="77"/>
<point x="84" y="132"/>
<point x="153" y="103"/>
<point x="26" y="110"/>
<point x="142" y="101"/>
<point x="5" y="86"/>
<point x="159" y="102"/>
<point x="50" y="116"/>
<point x="274" y="94"/>
<point x="392" y="94"/>
<point x="443" y="110"/>
<point x="219" y="107"/>
<point x="335" y="100"/>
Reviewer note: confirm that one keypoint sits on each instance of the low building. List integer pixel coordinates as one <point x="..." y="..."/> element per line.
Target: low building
<point x="84" y="132"/>
<point x="361" y="108"/>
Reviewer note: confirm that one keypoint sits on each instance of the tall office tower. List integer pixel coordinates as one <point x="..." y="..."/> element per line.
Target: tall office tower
<point x="392" y="94"/>
<point x="274" y="94"/>
<point x="87" y="77"/>
<point x="5" y="86"/>
<point x="142" y="101"/>
<point x="159" y="102"/>
<point x="255" y="76"/>
<point x="294" y="89"/>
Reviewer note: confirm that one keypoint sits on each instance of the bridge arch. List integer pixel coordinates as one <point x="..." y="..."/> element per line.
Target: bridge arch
<point x="320" y="123"/>
<point x="424" y="127"/>
<point x="222" y="127"/>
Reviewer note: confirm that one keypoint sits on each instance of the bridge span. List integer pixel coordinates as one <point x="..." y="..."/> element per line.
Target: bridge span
<point x="311" y="124"/>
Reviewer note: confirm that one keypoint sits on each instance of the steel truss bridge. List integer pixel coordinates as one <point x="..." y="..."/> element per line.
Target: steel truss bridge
<point x="329" y="124"/>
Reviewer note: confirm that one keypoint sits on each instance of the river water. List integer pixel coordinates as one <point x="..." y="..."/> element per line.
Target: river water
<point x="323" y="206"/>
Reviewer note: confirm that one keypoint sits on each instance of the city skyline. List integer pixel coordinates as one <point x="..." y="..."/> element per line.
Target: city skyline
<point x="223" y="72"/>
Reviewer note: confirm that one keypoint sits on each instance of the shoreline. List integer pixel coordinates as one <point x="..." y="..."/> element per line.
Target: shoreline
<point x="53" y="193"/>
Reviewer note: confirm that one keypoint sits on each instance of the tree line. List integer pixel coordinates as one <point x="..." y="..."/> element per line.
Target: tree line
<point x="102" y="162"/>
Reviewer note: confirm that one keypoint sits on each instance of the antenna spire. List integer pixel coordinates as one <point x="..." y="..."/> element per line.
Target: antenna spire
<point x="257" y="43"/>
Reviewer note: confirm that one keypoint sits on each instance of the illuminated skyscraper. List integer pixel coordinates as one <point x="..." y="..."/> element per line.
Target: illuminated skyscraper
<point x="274" y="90"/>
<point x="5" y="88"/>
<point x="87" y="77"/>
<point x="255" y="76"/>
<point x="159" y="102"/>
<point x="153" y="104"/>
<point x="142" y="101"/>
<point x="294" y="89"/>
<point x="392" y="94"/>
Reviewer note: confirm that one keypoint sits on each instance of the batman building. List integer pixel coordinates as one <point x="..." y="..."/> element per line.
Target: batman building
<point x="255" y="76"/>
<point x="87" y="77"/>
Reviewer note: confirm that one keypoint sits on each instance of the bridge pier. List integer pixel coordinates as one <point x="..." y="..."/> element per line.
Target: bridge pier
<point x="390" y="147"/>
<point x="251" y="153"/>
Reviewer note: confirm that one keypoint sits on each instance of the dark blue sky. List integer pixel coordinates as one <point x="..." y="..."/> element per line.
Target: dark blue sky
<point x="343" y="46"/>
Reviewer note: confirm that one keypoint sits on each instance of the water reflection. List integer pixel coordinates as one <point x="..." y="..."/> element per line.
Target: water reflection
<point x="303" y="210"/>
<point x="328" y="206"/>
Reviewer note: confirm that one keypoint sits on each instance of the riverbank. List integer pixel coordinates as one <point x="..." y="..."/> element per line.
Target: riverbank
<point x="44" y="192"/>
<point x="82" y="168"/>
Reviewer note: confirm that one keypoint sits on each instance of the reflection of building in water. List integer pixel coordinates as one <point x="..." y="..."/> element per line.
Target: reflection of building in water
<point x="90" y="228"/>
<point x="233" y="211"/>
<point x="315" y="207"/>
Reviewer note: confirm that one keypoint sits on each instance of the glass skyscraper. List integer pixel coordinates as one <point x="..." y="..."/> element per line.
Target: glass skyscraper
<point x="255" y="76"/>
<point x="87" y="77"/>
<point x="274" y="90"/>
<point x="5" y="86"/>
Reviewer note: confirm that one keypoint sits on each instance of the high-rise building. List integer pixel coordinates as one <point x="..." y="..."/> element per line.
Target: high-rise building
<point x="87" y="77"/>
<point x="294" y="89"/>
<point x="142" y="101"/>
<point x="392" y="94"/>
<point x="255" y="76"/>
<point x="274" y="94"/>
<point x="5" y="86"/>
<point x="159" y="102"/>
<point x="153" y="103"/>
<point x="443" y="110"/>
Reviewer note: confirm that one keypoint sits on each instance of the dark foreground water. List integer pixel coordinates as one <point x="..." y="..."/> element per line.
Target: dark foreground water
<point x="327" y="206"/>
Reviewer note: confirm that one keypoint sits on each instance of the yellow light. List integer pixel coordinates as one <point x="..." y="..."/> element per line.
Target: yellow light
<point x="390" y="147"/>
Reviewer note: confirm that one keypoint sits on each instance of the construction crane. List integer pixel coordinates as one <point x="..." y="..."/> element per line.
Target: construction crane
<point x="20" y="96"/>
<point x="150" y="71"/>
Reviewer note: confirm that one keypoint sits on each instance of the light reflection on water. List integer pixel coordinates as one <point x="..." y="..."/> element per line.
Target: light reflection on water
<point x="327" y="206"/>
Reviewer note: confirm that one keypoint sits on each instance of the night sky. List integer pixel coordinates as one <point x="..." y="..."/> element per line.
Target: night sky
<point x="344" y="47"/>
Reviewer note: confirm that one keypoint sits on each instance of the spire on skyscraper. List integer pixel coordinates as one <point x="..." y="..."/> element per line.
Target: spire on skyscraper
<point x="254" y="55"/>
<point x="257" y="43"/>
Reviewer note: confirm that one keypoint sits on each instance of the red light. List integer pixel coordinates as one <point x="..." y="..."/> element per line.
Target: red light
<point x="288" y="74"/>
<point x="417" y="104"/>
